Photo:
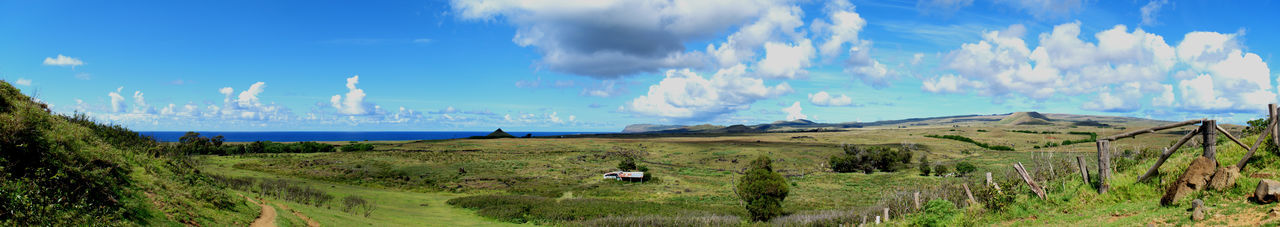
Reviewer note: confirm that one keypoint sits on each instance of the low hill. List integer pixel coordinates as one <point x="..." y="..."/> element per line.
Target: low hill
<point x="638" y="128"/>
<point x="68" y="170"/>
<point x="1025" y="118"/>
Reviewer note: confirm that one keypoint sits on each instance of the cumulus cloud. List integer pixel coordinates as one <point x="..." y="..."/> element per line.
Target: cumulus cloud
<point x="1207" y="66"/>
<point x="822" y="98"/>
<point x="63" y="61"/>
<point x="353" y="103"/>
<point x="842" y="27"/>
<point x="793" y="112"/>
<point x="117" y="100"/>
<point x="785" y="61"/>
<point x="685" y="95"/>
<point x="23" y="82"/>
<point x="247" y="105"/>
<point x="1150" y="10"/>
<point x="609" y="39"/>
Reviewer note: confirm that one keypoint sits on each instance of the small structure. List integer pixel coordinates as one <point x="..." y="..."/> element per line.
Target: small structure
<point x="626" y="176"/>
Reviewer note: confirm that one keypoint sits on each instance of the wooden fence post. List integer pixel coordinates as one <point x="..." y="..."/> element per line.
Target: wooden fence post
<point x="1104" y="165"/>
<point x="969" y="193"/>
<point x="1210" y="138"/>
<point x="1084" y="169"/>
<point x="1167" y="152"/>
<point x="1275" y="132"/>
<point x="1030" y="182"/>
<point x="916" y="198"/>
<point x="886" y="215"/>
<point x="1256" y="144"/>
<point x="993" y="184"/>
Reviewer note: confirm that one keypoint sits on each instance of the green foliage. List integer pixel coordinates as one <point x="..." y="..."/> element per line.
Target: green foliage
<point x="358" y="205"/>
<point x="521" y="208"/>
<point x="964" y="168"/>
<point x="974" y="142"/>
<point x="762" y="189"/>
<point x="58" y="170"/>
<point x="924" y="166"/>
<point x="937" y="212"/>
<point x="941" y="170"/>
<point x="627" y="164"/>
<point x="870" y="159"/>
<point x="354" y="146"/>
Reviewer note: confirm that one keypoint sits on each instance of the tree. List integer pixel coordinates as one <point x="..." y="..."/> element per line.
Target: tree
<point x="964" y="168"/>
<point x="762" y="189"/>
<point x="924" y="166"/>
<point x="940" y="170"/>
<point x="627" y="164"/>
<point x="217" y="140"/>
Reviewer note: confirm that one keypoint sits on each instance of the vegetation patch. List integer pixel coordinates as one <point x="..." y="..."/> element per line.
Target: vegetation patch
<point x="974" y="142"/>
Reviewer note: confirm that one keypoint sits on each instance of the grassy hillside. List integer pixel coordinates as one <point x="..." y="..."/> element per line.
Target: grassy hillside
<point x="68" y="170"/>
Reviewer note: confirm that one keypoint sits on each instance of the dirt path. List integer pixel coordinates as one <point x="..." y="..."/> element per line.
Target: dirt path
<point x="268" y="216"/>
<point x="310" y="223"/>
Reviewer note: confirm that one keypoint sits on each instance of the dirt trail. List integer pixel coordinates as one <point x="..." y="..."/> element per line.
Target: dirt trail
<point x="310" y="223"/>
<point x="268" y="216"/>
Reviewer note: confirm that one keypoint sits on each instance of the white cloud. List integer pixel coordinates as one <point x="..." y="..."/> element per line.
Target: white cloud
<point x="605" y="89"/>
<point x="843" y="27"/>
<point x="793" y="112"/>
<point x="917" y="58"/>
<point x="63" y="61"/>
<point x="1208" y="66"/>
<point x="1150" y="11"/>
<point x="353" y="103"/>
<point x="140" y="103"/>
<point x="785" y="61"/>
<point x="684" y="95"/>
<point x="117" y="100"/>
<point x="777" y="23"/>
<point x="823" y="99"/>
<point x="594" y="39"/>
<point x="23" y="82"/>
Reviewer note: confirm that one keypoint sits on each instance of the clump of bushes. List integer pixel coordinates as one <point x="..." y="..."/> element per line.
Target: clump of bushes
<point x="974" y="142"/>
<point x="538" y="209"/>
<point x="356" y="146"/>
<point x="277" y="188"/>
<point x="357" y="205"/>
<point x="870" y="159"/>
<point x="964" y="168"/>
<point x="937" y="212"/>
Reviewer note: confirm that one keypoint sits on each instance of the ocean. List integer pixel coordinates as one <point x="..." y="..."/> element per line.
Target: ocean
<point x="172" y="136"/>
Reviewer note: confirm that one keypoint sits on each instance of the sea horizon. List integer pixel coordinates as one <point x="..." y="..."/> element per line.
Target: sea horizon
<point x="298" y="136"/>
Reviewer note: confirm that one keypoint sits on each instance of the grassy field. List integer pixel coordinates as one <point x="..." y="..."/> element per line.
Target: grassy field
<point x="411" y="180"/>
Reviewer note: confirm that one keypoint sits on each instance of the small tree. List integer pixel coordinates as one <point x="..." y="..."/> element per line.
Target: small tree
<point x="940" y="170"/>
<point x="762" y="189"/>
<point x="627" y="164"/>
<point x="924" y="166"/>
<point x="964" y="168"/>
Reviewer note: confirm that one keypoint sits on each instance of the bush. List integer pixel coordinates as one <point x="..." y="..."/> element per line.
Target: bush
<point x="762" y="189"/>
<point x="964" y="168"/>
<point x="924" y="166"/>
<point x="355" y="146"/>
<point x="937" y="212"/>
<point x="941" y="170"/>
<point x="974" y="142"/>
<point x="357" y="205"/>
<point x="627" y="164"/>
<point x="507" y="213"/>
<point x="870" y="159"/>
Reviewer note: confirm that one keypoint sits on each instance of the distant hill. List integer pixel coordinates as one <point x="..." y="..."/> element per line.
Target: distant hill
<point x="1025" y="118"/>
<point x="637" y="128"/>
<point x="58" y="170"/>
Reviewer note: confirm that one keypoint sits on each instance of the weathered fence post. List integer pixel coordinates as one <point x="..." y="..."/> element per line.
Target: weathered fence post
<point x="1030" y="182"/>
<point x="1275" y="131"/>
<point x="993" y="184"/>
<point x="969" y="193"/>
<point x="886" y="215"/>
<point x="1084" y="169"/>
<point x="916" y="197"/>
<point x="1104" y="165"/>
<point x="1167" y="152"/>
<point x="1210" y="138"/>
<point x="1256" y="144"/>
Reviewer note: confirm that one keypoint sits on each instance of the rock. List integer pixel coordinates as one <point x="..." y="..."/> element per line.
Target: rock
<point x="1197" y="210"/>
<point x="1275" y="212"/>
<point x="1268" y="190"/>
<point x="1195" y="178"/>
<point x="1224" y="178"/>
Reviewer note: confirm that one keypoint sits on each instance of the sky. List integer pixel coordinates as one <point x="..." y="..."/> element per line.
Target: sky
<point x="597" y="66"/>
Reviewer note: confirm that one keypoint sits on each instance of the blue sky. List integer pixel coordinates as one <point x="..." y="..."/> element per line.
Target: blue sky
<point x="601" y="65"/>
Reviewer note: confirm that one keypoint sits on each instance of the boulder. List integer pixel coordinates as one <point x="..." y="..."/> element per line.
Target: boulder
<point x="1195" y="178"/>
<point x="1197" y="210"/>
<point x="1224" y="178"/>
<point x="1268" y="190"/>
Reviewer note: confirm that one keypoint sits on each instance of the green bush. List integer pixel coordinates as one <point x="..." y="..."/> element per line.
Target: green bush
<point x="627" y="164"/>
<point x="941" y="170"/>
<point x="354" y="146"/>
<point x="974" y="142"/>
<point x="762" y="189"/>
<point x="924" y="166"/>
<point x="937" y="212"/>
<point x="870" y="159"/>
<point x="964" y="168"/>
<point x="506" y="213"/>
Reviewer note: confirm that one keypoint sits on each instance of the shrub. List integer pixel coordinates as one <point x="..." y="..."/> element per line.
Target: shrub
<point x="357" y="205"/>
<point x="941" y="170"/>
<point x="924" y="166"/>
<point x="974" y="142"/>
<point x="507" y="213"/>
<point x="937" y="212"/>
<point x="355" y="146"/>
<point x="762" y="189"/>
<point x="627" y="164"/>
<point x="870" y="159"/>
<point x="964" y="168"/>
